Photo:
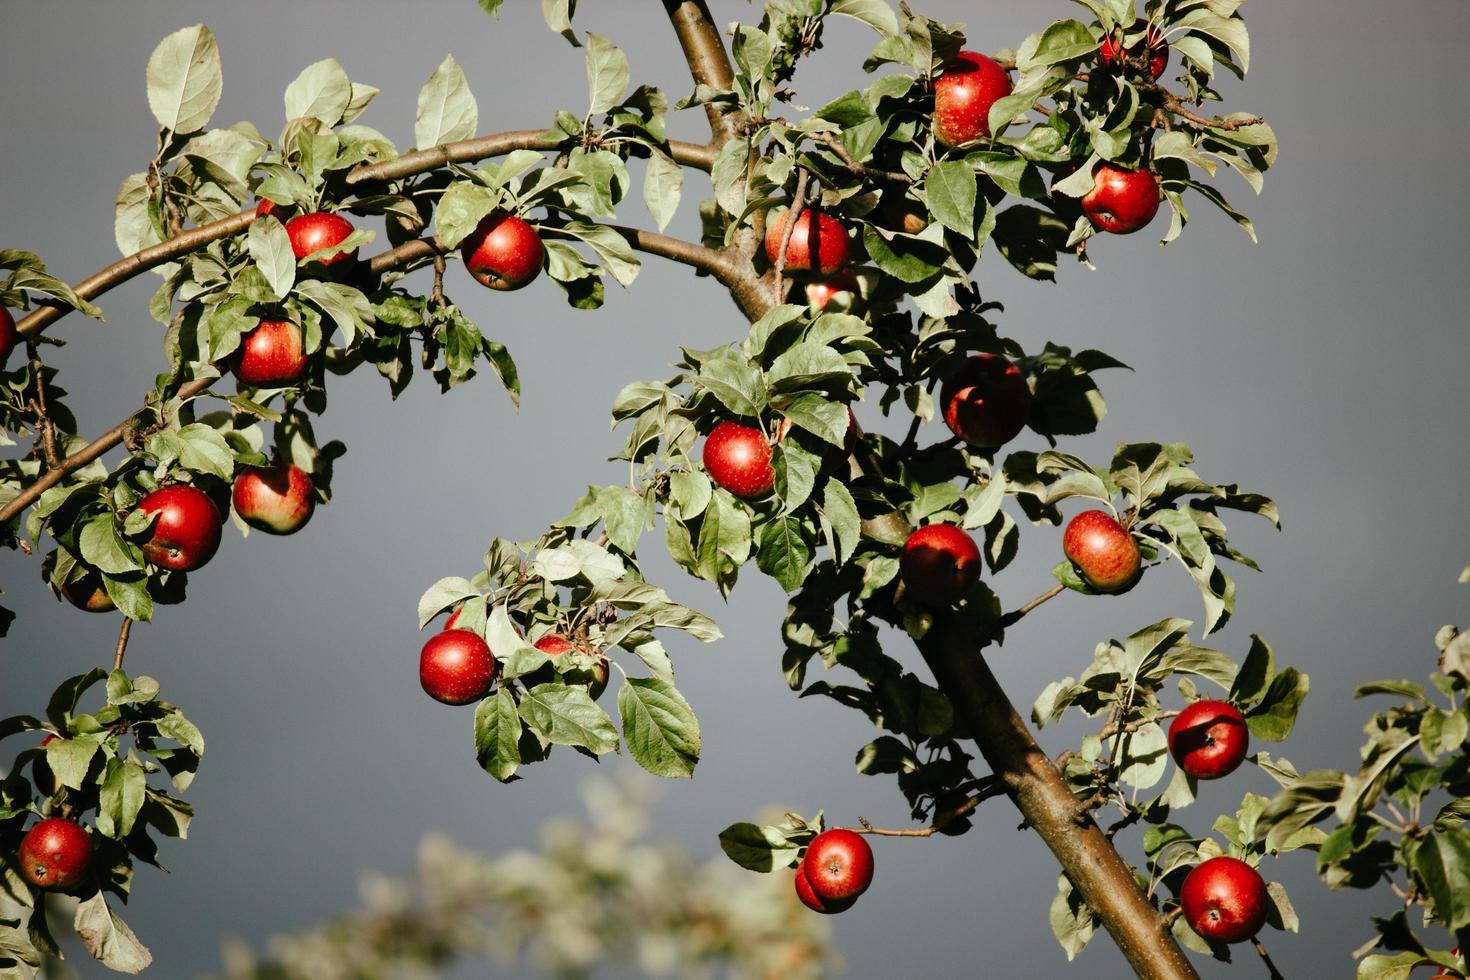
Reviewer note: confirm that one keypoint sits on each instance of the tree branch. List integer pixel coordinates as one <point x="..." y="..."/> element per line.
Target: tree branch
<point x="693" y="155"/>
<point x="43" y="417"/>
<point x="990" y="786"/>
<point x="1015" y="615"/>
<point x="709" y="63"/>
<point x="122" y="643"/>
<point x="1172" y="103"/>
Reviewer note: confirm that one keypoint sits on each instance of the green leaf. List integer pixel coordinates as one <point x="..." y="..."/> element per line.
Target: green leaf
<point x="624" y="514"/>
<point x="442" y="594"/>
<point x="1273" y="719"/>
<point x="69" y="759"/>
<point x="819" y="416"/>
<point x="203" y="449"/>
<point x="1256" y="675"/>
<point x="108" y="937"/>
<point x="185" y="80"/>
<point x="662" y="185"/>
<point x="950" y="186"/>
<point x="1398" y="967"/>
<point x="758" y="848"/>
<point x="567" y="716"/>
<point x="447" y="110"/>
<point x="784" y="553"/>
<point x="121" y="797"/>
<point x="735" y="382"/>
<point x="659" y="727"/>
<point x="270" y="250"/>
<point x="498" y="734"/>
<point x="1144" y="757"/>
<point x="1072" y="921"/>
<point x="1441" y="862"/>
<point x="877" y="14"/>
<point x="322" y="91"/>
<point x="104" y="548"/>
<point x="1064" y="40"/>
<point x="607" y="73"/>
<point x="842" y="513"/>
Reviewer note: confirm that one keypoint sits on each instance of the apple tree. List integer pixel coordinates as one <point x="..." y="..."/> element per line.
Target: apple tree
<point x="746" y="453"/>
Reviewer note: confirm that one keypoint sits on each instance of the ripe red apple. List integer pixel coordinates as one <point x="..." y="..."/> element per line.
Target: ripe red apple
<point x="503" y="252"/>
<point x="1209" y="739"/>
<point x="1224" y="900"/>
<point x="830" y="253"/>
<point x="554" y="645"/>
<point x="278" y="500"/>
<point x="1121" y="201"/>
<point x="266" y="206"/>
<point x="317" y="230"/>
<point x="41" y="774"/>
<point x="1102" y="549"/>
<point x="55" y="854"/>
<point x="270" y="356"/>
<point x="963" y="95"/>
<point x="1110" y="51"/>
<point x="8" y="335"/>
<point x="939" y="564"/>
<point x="838" y="865"/>
<point x="456" y="667"/>
<point x="88" y="593"/>
<point x="986" y="401"/>
<point x="738" y="458"/>
<point x="186" y="534"/>
<point x="810" y="900"/>
<point x="842" y="287"/>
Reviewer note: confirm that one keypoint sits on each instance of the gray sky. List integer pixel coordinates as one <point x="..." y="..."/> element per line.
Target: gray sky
<point x="1322" y="366"/>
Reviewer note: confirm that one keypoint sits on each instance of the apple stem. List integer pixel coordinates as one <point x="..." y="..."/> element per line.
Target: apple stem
<point x="122" y="643"/>
<point x="1265" y="957"/>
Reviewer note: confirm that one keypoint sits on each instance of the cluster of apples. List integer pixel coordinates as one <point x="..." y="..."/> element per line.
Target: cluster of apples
<point x="835" y="871"/>
<point x="457" y="667"/>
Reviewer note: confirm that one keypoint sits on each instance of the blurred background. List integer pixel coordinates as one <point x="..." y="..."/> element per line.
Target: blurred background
<point x="1324" y="366"/>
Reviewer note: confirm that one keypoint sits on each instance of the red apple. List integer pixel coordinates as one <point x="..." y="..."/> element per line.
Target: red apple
<point x="842" y="287"/>
<point x="317" y="230"/>
<point x="55" y="854"/>
<point x="554" y="645"/>
<point x="278" y="500"/>
<point x="41" y="774"/>
<point x="1224" y="900"/>
<point x="738" y="458"/>
<point x="8" y="335"/>
<point x="826" y="259"/>
<point x="270" y="356"/>
<point x="939" y="564"/>
<point x="810" y="900"/>
<point x="186" y="534"/>
<point x="838" y="865"/>
<point x="1104" y="552"/>
<point x="503" y="252"/>
<point x="88" y="592"/>
<point x="986" y="401"/>
<point x="1209" y="739"/>
<point x="963" y="95"/>
<point x="1110" y="51"/>
<point x="456" y="667"/>
<point x="1121" y="201"/>
<point x="266" y="206"/>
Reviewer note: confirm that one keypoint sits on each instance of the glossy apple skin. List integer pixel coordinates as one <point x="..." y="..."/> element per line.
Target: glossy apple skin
<point x="8" y="335"/>
<point x="554" y="645"/>
<point x="963" y="95"/>
<point x="1209" y="739"/>
<point x="986" y="401"/>
<point x="738" y="458"/>
<point x="503" y="252"/>
<point x="810" y="900"/>
<point x="838" y="865"/>
<point x="270" y="356"/>
<point x="825" y="260"/>
<point x="1104" y="552"/>
<point x="55" y="854"/>
<point x="1224" y="900"/>
<point x="88" y="593"/>
<point x="1109" y="52"/>
<point x="278" y="500"/>
<point x="318" y="230"/>
<point x="187" y="532"/>
<point x="456" y="667"/>
<point x="843" y="286"/>
<point x="939" y="564"/>
<point x="1121" y="201"/>
<point x="41" y="774"/>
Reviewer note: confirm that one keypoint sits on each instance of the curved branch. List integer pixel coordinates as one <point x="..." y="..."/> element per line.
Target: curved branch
<point x="402" y="255"/>
<point x="693" y="155"/>
<point x="139" y="262"/>
<point x="709" y="63"/>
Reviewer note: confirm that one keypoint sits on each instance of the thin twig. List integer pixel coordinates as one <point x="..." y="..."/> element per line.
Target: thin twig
<point x="872" y="173"/>
<point x="1015" y="615"/>
<point x="43" y="420"/>
<point x="990" y="787"/>
<point x="1270" y="967"/>
<point x="122" y="643"/>
<point x="1172" y="103"/>
<point x="798" y="201"/>
<point x="1111" y="728"/>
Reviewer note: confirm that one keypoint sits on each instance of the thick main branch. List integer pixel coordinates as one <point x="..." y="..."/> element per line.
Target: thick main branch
<point x="709" y="63"/>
